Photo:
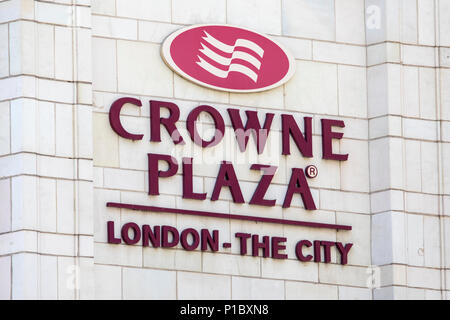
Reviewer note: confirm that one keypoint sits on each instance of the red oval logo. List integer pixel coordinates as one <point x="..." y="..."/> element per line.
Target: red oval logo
<point x="228" y="58"/>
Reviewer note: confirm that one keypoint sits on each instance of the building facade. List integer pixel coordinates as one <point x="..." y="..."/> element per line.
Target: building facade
<point x="79" y="214"/>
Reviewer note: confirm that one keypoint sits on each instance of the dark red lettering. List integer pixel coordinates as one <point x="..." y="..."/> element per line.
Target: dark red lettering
<point x="327" y="139"/>
<point x="299" y="184"/>
<point x="303" y="142"/>
<point x="227" y="177"/>
<point x="114" y="118"/>
<point x="169" y="123"/>
<point x="154" y="173"/>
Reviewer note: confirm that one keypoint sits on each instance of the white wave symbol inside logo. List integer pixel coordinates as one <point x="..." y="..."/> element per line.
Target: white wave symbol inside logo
<point x="235" y="54"/>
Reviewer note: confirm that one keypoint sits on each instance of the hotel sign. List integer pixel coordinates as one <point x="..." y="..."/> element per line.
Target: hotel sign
<point x="237" y="60"/>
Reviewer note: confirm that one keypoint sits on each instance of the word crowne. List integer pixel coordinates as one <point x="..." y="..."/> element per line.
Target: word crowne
<point x="228" y="58"/>
<point x="226" y="175"/>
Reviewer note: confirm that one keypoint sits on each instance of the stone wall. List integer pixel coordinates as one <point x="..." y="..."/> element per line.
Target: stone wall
<point x="381" y="66"/>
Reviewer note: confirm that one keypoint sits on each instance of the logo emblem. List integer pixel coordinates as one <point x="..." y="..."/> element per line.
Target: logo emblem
<point x="228" y="58"/>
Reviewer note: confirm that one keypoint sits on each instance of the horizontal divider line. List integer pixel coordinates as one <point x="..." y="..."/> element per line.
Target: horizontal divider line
<point x="228" y="216"/>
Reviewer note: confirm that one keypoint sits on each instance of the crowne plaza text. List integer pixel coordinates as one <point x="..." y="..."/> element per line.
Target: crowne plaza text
<point x="226" y="175"/>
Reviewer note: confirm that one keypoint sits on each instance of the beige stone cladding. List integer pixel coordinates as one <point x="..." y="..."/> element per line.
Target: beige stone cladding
<point x="330" y="83"/>
<point x="407" y="89"/>
<point x="381" y="66"/>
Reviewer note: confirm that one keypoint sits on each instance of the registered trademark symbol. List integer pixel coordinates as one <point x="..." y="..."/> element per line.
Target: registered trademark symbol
<point x="311" y="171"/>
